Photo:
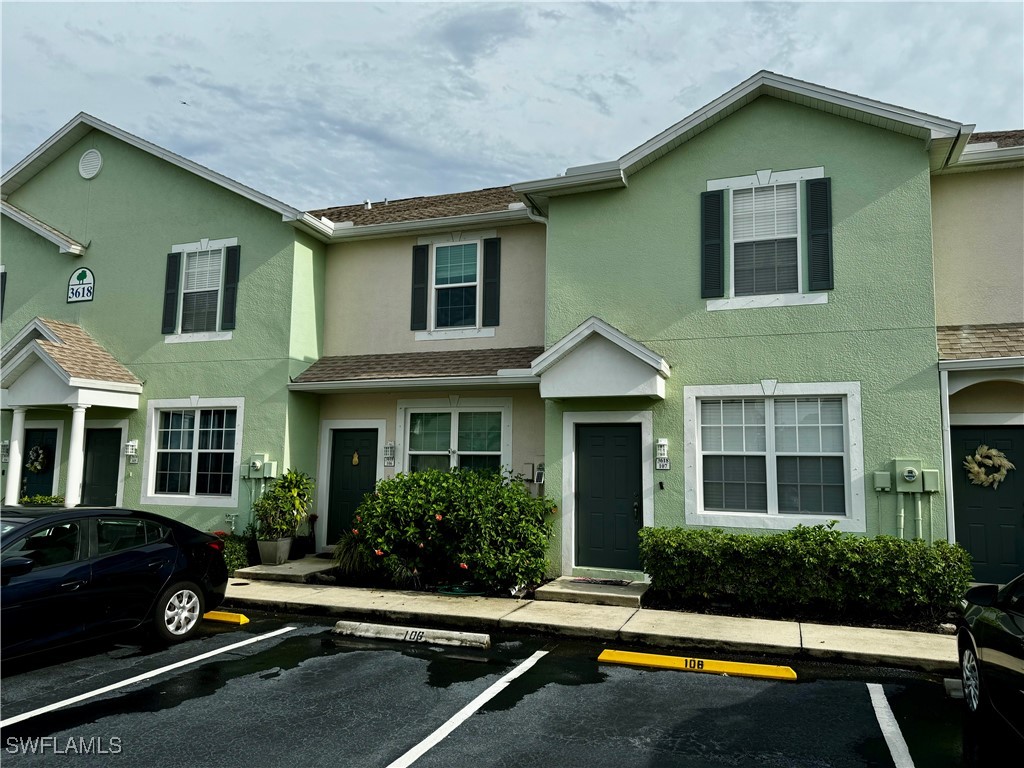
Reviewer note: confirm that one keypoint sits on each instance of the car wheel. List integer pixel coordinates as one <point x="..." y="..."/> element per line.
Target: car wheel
<point x="178" y="612"/>
<point x="970" y="675"/>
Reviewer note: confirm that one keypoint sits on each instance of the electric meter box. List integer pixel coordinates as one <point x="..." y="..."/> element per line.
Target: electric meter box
<point x="909" y="475"/>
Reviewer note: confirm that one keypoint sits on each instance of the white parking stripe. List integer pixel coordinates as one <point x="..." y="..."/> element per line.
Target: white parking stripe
<point x="140" y="678"/>
<point x="464" y="714"/>
<point x="890" y="728"/>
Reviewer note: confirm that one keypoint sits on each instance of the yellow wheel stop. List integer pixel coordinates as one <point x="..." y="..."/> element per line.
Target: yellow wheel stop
<point x="226" y="616"/>
<point x="688" y="664"/>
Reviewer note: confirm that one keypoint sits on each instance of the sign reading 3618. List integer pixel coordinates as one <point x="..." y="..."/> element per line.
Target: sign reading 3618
<point x="81" y="286"/>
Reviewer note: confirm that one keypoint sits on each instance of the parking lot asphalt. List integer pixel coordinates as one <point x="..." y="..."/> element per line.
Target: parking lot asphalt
<point x="934" y="653"/>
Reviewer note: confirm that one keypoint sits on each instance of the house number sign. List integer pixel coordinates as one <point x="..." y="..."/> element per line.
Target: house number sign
<point x="81" y="285"/>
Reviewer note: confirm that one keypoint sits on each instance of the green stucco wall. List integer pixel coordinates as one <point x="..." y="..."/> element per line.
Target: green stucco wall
<point x="632" y="258"/>
<point x="130" y="215"/>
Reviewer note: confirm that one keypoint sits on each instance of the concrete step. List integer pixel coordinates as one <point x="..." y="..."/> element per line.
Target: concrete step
<point x="567" y="589"/>
<point x="295" y="571"/>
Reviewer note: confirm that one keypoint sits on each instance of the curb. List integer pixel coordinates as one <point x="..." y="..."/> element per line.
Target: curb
<point x="412" y="634"/>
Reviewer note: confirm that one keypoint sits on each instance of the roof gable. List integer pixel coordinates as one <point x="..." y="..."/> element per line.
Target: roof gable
<point x="83" y="123"/>
<point x="944" y="138"/>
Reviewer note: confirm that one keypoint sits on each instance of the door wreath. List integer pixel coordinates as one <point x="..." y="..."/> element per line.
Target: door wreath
<point x="987" y="467"/>
<point x="36" y="459"/>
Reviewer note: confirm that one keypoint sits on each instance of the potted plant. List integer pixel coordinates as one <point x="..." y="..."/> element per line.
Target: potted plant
<point x="278" y="512"/>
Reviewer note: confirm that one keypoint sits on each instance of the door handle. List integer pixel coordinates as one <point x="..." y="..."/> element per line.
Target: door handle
<point x="636" y="511"/>
<point x="71" y="586"/>
<point x="155" y="563"/>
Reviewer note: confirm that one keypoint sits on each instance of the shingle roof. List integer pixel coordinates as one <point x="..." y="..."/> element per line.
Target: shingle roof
<point x="488" y="200"/>
<point x="81" y="356"/>
<point x="418" y="365"/>
<point x="1001" y="138"/>
<point x="973" y="342"/>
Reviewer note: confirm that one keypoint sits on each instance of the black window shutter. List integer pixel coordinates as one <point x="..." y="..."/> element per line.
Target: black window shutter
<point x="819" y="234"/>
<point x="3" y="291"/>
<point x="420" y="286"/>
<point x="712" y="235"/>
<point x="492" y="282"/>
<point x="170" y="321"/>
<point x="231" y="268"/>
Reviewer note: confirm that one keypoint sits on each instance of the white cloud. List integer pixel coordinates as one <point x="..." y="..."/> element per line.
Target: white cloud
<point x="330" y="103"/>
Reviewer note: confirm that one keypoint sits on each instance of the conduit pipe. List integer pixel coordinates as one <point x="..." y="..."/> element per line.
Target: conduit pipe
<point x="899" y="515"/>
<point x="917" y="513"/>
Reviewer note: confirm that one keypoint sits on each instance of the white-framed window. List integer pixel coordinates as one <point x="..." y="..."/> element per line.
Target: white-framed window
<point x="206" y="284"/>
<point x="765" y="259"/>
<point x="455" y="285"/>
<point x="470" y="433"/>
<point x="193" y="451"/>
<point x="774" y="455"/>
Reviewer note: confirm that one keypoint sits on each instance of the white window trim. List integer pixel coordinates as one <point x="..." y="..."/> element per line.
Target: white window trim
<point x="57" y="453"/>
<point x="455" y="332"/>
<point x="183" y="249"/>
<point x="149" y="495"/>
<point x="451" y="404"/>
<point x="763" y="178"/>
<point x="569" y="421"/>
<point x="854" y="449"/>
<point x="121" y="424"/>
<point x="323" y="496"/>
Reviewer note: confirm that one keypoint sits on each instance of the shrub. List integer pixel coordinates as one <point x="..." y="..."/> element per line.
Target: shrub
<point x="41" y="500"/>
<point x="435" y="527"/>
<point x="236" y="550"/>
<point x="283" y="505"/>
<point x="810" y="572"/>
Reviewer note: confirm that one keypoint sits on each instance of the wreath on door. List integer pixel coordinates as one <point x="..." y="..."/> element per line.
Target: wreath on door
<point x="36" y="459"/>
<point x="987" y="467"/>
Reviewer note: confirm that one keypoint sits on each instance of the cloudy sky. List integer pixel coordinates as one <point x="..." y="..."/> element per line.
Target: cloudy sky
<point x="330" y="103"/>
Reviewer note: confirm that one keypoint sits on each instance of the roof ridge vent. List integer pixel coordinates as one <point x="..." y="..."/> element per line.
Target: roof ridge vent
<point x="367" y="205"/>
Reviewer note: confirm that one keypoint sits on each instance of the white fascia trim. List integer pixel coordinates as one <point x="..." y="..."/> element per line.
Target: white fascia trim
<point x="604" y="176"/>
<point x="35" y="325"/>
<point x="981" y="363"/>
<point x="73" y="132"/>
<point x="761" y="83"/>
<point x="447" y="382"/>
<point x="64" y="243"/>
<point x="979" y="156"/>
<point x="593" y="325"/>
<point x="345" y="231"/>
<point x="304" y="221"/>
<point x="106" y="386"/>
<point x="34" y="349"/>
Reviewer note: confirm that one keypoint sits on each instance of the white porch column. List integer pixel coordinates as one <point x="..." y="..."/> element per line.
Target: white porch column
<point x="14" y="463"/>
<point x="76" y="457"/>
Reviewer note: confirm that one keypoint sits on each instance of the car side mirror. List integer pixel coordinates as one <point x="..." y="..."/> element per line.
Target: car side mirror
<point x="15" y="566"/>
<point x="983" y="595"/>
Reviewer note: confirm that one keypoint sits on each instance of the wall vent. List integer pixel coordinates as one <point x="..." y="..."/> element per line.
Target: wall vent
<point x="90" y="163"/>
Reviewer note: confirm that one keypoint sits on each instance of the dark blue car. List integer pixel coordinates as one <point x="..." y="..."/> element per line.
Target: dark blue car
<point x="77" y="574"/>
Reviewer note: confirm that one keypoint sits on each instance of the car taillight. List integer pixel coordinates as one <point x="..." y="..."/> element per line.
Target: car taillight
<point x="216" y="546"/>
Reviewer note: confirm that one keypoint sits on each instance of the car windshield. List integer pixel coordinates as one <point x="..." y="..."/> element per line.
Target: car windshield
<point x="6" y="526"/>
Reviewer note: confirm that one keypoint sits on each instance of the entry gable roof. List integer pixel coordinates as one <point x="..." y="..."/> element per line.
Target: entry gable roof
<point x="70" y="352"/>
<point x="80" y="125"/>
<point x="945" y="138"/>
<point x="598" y="360"/>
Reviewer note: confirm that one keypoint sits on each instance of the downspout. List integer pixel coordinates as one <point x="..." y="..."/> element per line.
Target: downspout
<point x="947" y="452"/>
<point x="899" y="515"/>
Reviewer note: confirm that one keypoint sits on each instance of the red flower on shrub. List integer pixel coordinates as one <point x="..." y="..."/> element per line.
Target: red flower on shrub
<point x="421" y="545"/>
<point x="378" y="552"/>
<point x="463" y="566"/>
<point x="437" y="516"/>
<point x="355" y="531"/>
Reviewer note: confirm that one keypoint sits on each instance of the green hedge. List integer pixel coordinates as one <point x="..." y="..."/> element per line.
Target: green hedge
<point x="810" y="573"/>
<point x="436" y="528"/>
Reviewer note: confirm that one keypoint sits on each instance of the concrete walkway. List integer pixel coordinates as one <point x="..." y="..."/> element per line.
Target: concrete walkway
<point x="696" y="634"/>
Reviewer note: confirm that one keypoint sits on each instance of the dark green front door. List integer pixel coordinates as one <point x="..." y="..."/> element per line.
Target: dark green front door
<point x="38" y="450"/>
<point x="353" y="475"/>
<point x="990" y="522"/>
<point x="609" y="499"/>
<point x="102" y="459"/>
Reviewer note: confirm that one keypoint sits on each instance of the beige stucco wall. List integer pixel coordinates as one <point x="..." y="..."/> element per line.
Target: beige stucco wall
<point x="978" y="240"/>
<point x="1005" y="397"/>
<point x="527" y="416"/>
<point x="369" y="285"/>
